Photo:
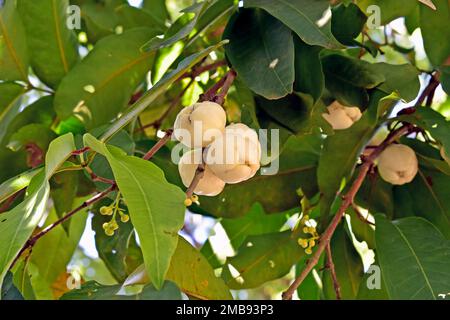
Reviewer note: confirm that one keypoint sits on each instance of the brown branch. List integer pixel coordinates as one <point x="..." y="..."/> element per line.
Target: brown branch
<point x="97" y="178"/>
<point x="32" y="241"/>
<point x="348" y="200"/>
<point x="429" y="90"/>
<point x="200" y="69"/>
<point x="330" y="266"/>
<point x="229" y="79"/>
<point x="360" y="215"/>
<point x="158" y="145"/>
<point x="199" y="173"/>
<point x="209" y="94"/>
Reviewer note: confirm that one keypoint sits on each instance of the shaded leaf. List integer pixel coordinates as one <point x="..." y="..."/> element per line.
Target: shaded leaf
<point x="261" y="51"/>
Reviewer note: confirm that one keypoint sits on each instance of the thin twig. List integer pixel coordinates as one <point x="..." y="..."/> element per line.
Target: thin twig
<point x="429" y="89"/>
<point x="158" y="145"/>
<point x="360" y="215"/>
<point x="348" y="200"/>
<point x="197" y="177"/>
<point x="229" y="79"/>
<point x="211" y="92"/>
<point x="330" y="266"/>
<point x="32" y="241"/>
<point x="200" y="69"/>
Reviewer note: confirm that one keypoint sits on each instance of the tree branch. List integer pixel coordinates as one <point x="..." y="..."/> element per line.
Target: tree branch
<point x="200" y="69"/>
<point x="229" y="79"/>
<point x="32" y="241"/>
<point x="330" y="266"/>
<point x="161" y="143"/>
<point x="347" y="202"/>
<point x="429" y="90"/>
<point x="199" y="173"/>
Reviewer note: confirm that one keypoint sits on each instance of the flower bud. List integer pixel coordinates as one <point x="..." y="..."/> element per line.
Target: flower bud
<point x="341" y="117"/>
<point x="398" y="164"/>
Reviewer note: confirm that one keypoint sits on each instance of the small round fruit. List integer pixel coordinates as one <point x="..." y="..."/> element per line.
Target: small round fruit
<point x="397" y="164"/>
<point x="341" y="117"/>
<point x="209" y="185"/>
<point x="106" y="211"/>
<point x="198" y="125"/>
<point x="235" y="156"/>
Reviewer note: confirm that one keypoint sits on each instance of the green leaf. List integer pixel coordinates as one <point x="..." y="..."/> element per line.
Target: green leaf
<point x="297" y="113"/>
<point x="198" y="9"/>
<point x="301" y="16"/>
<point x="414" y="258"/>
<point x="156" y="207"/>
<point x="261" y="51"/>
<point x="434" y="122"/>
<point x="426" y="196"/>
<point x="97" y="97"/>
<point x="64" y="188"/>
<point x="348" y="266"/>
<point x="157" y="8"/>
<point x="34" y="134"/>
<point x="309" y="77"/>
<point x="371" y="278"/>
<point x="348" y="78"/>
<point x="255" y="222"/>
<point x="402" y="79"/>
<point x="262" y="258"/>
<point x="159" y="88"/>
<point x="190" y="270"/>
<point x="436" y="42"/>
<point x="95" y="291"/>
<point x="347" y="23"/>
<point x="17" y="225"/>
<point x="40" y="112"/>
<point x="388" y="9"/>
<point x="131" y="17"/>
<point x="54" y="46"/>
<point x="9" y="290"/>
<point x="52" y="253"/>
<point x="445" y="79"/>
<point x="13" y="46"/>
<point x="276" y="193"/>
<point x="10" y="95"/>
<point x="11" y="186"/>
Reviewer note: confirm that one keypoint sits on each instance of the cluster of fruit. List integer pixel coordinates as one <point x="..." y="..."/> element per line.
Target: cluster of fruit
<point x="397" y="164"/>
<point x="230" y="154"/>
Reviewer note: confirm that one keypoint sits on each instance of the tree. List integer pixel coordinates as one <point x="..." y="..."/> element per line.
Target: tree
<point x="350" y="186"/>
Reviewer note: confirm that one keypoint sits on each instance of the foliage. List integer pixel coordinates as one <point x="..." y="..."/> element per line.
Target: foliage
<point x="86" y="117"/>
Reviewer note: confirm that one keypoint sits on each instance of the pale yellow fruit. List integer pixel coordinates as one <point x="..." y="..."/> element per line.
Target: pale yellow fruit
<point x="209" y="185"/>
<point x="235" y="156"/>
<point x="198" y="125"/>
<point x="398" y="164"/>
<point x="341" y="117"/>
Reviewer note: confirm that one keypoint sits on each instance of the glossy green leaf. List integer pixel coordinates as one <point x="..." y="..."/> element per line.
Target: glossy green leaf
<point x="18" y="224"/>
<point x="311" y="287"/>
<point x="436" y="31"/>
<point x="426" y="196"/>
<point x="255" y="222"/>
<point x="309" y="76"/>
<point x="348" y="266"/>
<point x="132" y="17"/>
<point x="190" y="270"/>
<point x="13" y="45"/>
<point x="54" y="46"/>
<point x="261" y="50"/>
<point x="301" y="16"/>
<point x="402" y="79"/>
<point x="97" y="97"/>
<point x="156" y="207"/>
<point x="32" y="134"/>
<point x="347" y="23"/>
<point x="414" y="258"/>
<point x="348" y="78"/>
<point x="262" y="258"/>
<point x="157" y="8"/>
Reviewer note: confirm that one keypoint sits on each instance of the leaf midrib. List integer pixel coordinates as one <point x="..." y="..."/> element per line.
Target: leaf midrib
<point x="416" y="258"/>
<point x="58" y="37"/>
